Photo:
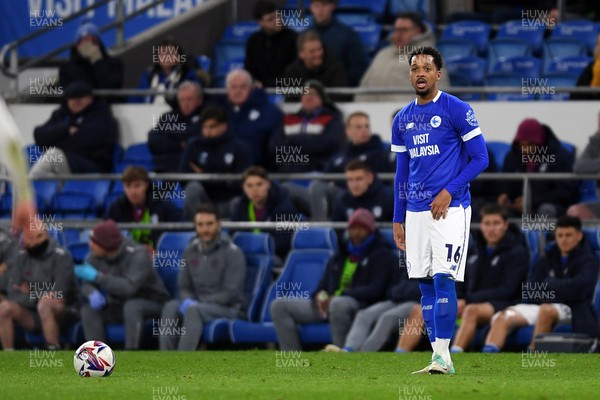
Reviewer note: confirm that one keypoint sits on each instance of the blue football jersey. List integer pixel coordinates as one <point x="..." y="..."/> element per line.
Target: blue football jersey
<point x="433" y="134"/>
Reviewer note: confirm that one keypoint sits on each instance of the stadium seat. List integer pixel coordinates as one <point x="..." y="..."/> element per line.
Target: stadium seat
<point x="225" y="52"/>
<point x="388" y="236"/>
<point x="32" y="153"/>
<point x="452" y="49"/>
<point x="98" y="189"/>
<point x="240" y="31"/>
<point x="555" y="80"/>
<point x="581" y="30"/>
<point x="557" y="49"/>
<point x="499" y="150"/>
<point x="420" y="7"/>
<point x="204" y="62"/>
<point x="73" y="205"/>
<point x="510" y="80"/>
<point x="354" y="17"/>
<point x="503" y="48"/>
<point x="476" y="32"/>
<point x="571" y="65"/>
<point x="374" y="7"/>
<point x="467" y="71"/>
<point x="534" y="245"/>
<point x="588" y="191"/>
<point x="369" y="33"/>
<point x="516" y="29"/>
<point x="79" y="251"/>
<point x="44" y="190"/>
<point x="177" y="241"/>
<point x="527" y="67"/>
<point x="136" y="154"/>
<point x="303" y="268"/>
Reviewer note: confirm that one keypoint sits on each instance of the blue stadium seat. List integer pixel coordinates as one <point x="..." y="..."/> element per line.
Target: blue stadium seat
<point x="456" y="48"/>
<point x="582" y="30"/>
<point x="388" y="236"/>
<point x="98" y="189"/>
<point x="558" y="79"/>
<point x="304" y="266"/>
<point x="534" y="245"/>
<point x="571" y="65"/>
<point x="510" y="80"/>
<point x="467" y="71"/>
<point x="204" y="62"/>
<point x="225" y="52"/>
<point x="171" y="245"/>
<point x="136" y="154"/>
<point x="527" y="67"/>
<point x="516" y="29"/>
<point x="588" y="191"/>
<point x="504" y="48"/>
<point x="240" y="31"/>
<point x="499" y="150"/>
<point x="369" y="33"/>
<point x="73" y="205"/>
<point x="593" y="236"/>
<point x="79" y="251"/>
<point x="557" y="49"/>
<point x="44" y="190"/>
<point x="177" y="241"/>
<point x="354" y="17"/>
<point x="476" y="32"/>
<point x="420" y="7"/>
<point x="374" y="7"/>
<point x="32" y="153"/>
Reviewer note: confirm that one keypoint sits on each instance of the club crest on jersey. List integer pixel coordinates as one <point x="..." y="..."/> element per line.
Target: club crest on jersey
<point x="471" y="119"/>
<point x="435" y="121"/>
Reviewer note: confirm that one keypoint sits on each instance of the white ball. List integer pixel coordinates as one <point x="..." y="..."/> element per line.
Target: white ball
<point x="94" y="359"/>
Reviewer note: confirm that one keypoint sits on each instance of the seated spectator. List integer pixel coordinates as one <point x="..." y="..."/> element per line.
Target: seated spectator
<point x="389" y="68"/>
<point x="536" y="148"/>
<point x="345" y="44"/>
<point x="170" y="67"/>
<point x="90" y="62"/>
<point x="253" y="118"/>
<point x="80" y="136"/>
<point x="41" y="291"/>
<point x="314" y="132"/>
<point x="588" y="163"/>
<point x="8" y="249"/>
<point x="265" y="200"/>
<point x="495" y="273"/>
<point x="142" y="203"/>
<point x="560" y="290"/>
<point x="119" y="285"/>
<point x="315" y="63"/>
<point x="271" y="49"/>
<point x="217" y="150"/>
<point x="374" y="325"/>
<point x="364" y="190"/>
<point x="170" y="134"/>
<point x="344" y="289"/>
<point x="362" y="145"/>
<point x="590" y="77"/>
<point x="211" y="287"/>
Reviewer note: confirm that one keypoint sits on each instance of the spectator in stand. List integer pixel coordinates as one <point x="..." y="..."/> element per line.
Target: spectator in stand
<point x="354" y="279"/>
<point x="364" y="190"/>
<point x="253" y="118"/>
<point x="265" y="200"/>
<point x="271" y="49"/>
<point x="345" y="44"/>
<point x="217" y="150"/>
<point x="144" y="204"/>
<point x="363" y="145"/>
<point x="374" y="325"/>
<point x="170" y="67"/>
<point x="315" y="63"/>
<point x="170" y="134"/>
<point x="495" y="272"/>
<point x="390" y="65"/>
<point x="119" y="285"/>
<point x="80" y="136"/>
<point x="588" y="163"/>
<point x="210" y="287"/>
<point x="41" y="291"/>
<point x="90" y="62"/>
<point x="563" y="281"/>
<point x="536" y="148"/>
<point x="590" y="77"/>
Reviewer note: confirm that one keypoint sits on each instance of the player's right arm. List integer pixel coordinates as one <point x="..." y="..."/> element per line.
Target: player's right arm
<point x="11" y="146"/>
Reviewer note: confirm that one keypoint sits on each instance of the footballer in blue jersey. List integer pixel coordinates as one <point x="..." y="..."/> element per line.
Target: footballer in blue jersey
<point x="440" y="149"/>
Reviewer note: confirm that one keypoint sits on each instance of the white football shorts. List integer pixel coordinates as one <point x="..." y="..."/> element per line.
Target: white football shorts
<point x="437" y="247"/>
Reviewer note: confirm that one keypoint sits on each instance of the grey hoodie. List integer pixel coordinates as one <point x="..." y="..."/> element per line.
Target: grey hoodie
<point x="214" y="273"/>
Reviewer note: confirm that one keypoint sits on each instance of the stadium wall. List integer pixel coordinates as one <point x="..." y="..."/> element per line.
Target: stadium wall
<point x="573" y="122"/>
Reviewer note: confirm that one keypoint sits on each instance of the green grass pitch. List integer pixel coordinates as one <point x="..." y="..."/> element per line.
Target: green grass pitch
<point x="264" y="374"/>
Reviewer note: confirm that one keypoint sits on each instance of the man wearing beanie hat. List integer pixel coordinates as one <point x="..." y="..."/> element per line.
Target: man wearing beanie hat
<point x="90" y="61"/>
<point x="272" y="48"/>
<point x="536" y="148"/>
<point x="79" y="137"/>
<point x="354" y="278"/>
<point x="119" y="284"/>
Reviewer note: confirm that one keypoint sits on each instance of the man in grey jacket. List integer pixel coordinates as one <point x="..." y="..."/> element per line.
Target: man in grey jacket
<point x="389" y="68"/>
<point x="119" y="285"/>
<point x="210" y="286"/>
<point x="40" y="289"/>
